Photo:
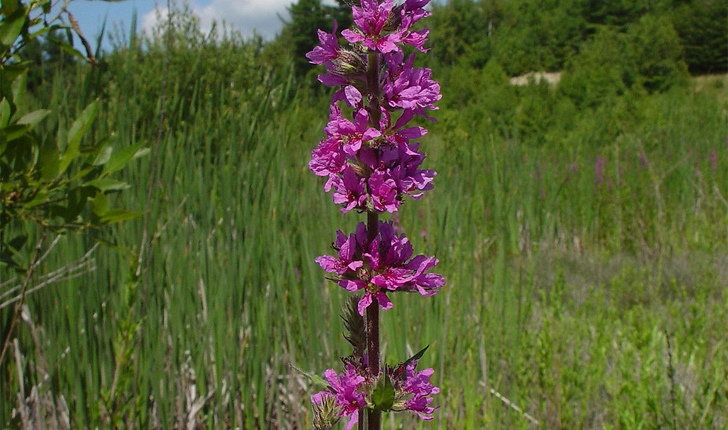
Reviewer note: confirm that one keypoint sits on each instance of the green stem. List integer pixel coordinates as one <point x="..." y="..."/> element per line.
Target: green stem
<point x="374" y="417"/>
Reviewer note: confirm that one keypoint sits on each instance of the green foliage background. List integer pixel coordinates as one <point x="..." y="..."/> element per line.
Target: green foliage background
<point x="582" y="228"/>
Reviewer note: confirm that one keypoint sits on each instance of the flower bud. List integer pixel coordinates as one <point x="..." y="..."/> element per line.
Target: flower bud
<point x="326" y="411"/>
<point x="393" y="20"/>
<point x="348" y="64"/>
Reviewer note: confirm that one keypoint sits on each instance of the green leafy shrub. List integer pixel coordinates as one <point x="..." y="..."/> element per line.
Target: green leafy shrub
<point x="58" y="182"/>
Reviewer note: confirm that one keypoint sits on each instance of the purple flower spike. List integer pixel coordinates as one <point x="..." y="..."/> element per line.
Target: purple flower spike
<point x="371" y="161"/>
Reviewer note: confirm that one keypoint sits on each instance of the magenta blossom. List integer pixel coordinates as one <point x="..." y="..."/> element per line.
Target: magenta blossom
<point x="381" y="266"/>
<point x="349" y="190"/>
<point x="371" y="19"/>
<point x="409" y="88"/>
<point x="419" y="390"/>
<point x="328" y="50"/>
<point x="346" y="389"/>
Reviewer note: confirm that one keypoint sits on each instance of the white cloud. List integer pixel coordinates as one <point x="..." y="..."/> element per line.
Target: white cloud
<point x="244" y="15"/>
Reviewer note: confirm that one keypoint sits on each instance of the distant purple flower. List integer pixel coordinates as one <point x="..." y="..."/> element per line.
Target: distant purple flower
<point x="643" y="160"/>
<point x="713" y="160"/>
<point x="599" y="167"/>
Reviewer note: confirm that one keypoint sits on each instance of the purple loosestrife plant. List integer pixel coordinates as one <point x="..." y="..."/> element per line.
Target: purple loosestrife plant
<point x="371" y="163"/>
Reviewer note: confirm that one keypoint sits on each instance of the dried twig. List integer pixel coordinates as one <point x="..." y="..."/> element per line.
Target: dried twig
<point x="511" y="405"/>
<point x="69" y="271"/>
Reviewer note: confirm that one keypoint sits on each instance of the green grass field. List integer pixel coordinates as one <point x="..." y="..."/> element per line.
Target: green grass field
<point x="586" y="279"/>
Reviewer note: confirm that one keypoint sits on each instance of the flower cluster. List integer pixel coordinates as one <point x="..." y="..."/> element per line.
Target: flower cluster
<point x="371" y="162"/>
<point x="347" y="393"/>
<point x="380" y="266"/>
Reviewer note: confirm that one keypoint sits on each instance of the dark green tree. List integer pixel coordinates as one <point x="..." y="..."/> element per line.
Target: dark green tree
<point x="462" y="30"/>
<point x="654" y="52"/>
<point x="703" y="30"/>
<point x="539" y="35"/>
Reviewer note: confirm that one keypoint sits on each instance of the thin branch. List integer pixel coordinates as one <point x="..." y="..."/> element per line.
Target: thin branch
<point x="19" y="306"/>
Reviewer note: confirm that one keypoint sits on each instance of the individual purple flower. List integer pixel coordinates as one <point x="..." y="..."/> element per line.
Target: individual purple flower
<point x="413" y="390"/>
<point x="343" y="65"/>
<point x="328" y="159"/>
<point x="371" y="18"/>
<point x="416" y="9"/>
<point x="328" y="50"/>
<point x="346" y="389"/>
<point x="419" y="386"/>
<point x="369" y="298"/>
<point x="397" y="133"/>
<point x="410" y="179"/>
<point x="347" y="250"/>
<point x="349" y="190"/>
<point x="383" y="192"/>
<point x="344" y="138"/>
<point x="354" y="134"/>
<point x="417" y="39"/>
<point x="409" y="88"/>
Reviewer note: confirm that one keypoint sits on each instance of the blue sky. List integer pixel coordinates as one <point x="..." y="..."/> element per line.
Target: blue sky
<point x="244" y="15"/>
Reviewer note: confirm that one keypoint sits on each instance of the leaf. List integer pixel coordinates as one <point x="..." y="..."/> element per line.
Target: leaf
<point x="103" y="155"/>
<point x="40" y="198"/>
<point x="105" y="184"/>
<point x="383" y="395"/>
<point x="18" y="241"/>
<point x="68" y="48"/>
<point x="100" y="204"/>
<point x="19" y="86"/>
<point x="121" y="158"/>
<point x="75" y="134"/>
<point x="117" y="215"/>
<point x="317" y="380"/>
<point x="12" y="25"/>
<point x="5" y="113"/>
<point x="33" y="118"/>
<point x="9" y="6"/>
<point x="77" y="199"/>
<point x="15" y="132"/>
<point x="417" y="356"/>
<point x="48" y="161"/>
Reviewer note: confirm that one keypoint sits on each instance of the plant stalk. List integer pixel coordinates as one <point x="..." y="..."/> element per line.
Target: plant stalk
<point x="374" y="417"/>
